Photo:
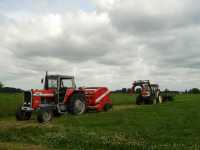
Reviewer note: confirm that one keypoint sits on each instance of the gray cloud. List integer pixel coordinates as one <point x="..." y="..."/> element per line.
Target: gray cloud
<point x="143" y="18"/>
<point x="120" y="41"/>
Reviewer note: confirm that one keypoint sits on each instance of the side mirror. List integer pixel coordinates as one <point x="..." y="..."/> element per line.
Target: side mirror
<point x="42" y="81"/>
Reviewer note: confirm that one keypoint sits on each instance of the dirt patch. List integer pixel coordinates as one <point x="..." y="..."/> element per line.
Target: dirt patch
<point x="22" y="124"/>
<point x="18" y="146"/>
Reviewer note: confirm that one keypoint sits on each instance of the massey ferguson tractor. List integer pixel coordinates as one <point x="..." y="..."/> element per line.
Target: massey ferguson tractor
<point x="61" y="96"/>
<point x="150" y="93"/>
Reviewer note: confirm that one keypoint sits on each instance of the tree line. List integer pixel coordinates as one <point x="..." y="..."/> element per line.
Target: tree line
<point x="190" y="91"/>
<point x="193" y="91"/>
<point x="9" y="89"/>
<point x="123" y="90"/>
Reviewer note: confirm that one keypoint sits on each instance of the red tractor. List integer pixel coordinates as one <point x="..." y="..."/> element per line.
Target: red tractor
<point x="148" y="93"/>
<point x="60" y="96"/>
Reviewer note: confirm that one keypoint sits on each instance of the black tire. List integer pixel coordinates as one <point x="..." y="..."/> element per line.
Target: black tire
<point x="149" y="101"/>
<point x="28" y="115"/>
<point x="19" y="114"/>
<point x="22" y="115"/>
<point x="44" y="115"/>
<point x="77" y="104"/>
<point x="152" y="100"/>
<point x="139" y="100"/>
<point x="107" y="107"/>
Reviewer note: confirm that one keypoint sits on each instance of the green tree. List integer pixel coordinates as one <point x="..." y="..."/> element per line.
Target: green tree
<point x="166" y="90"/>
<point x="195" y="91"/>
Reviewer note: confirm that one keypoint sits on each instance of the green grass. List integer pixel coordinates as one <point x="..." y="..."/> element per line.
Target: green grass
<point x="122" y="99"/>
<point x="173" y="125"/>
<point x="8" y="103"/>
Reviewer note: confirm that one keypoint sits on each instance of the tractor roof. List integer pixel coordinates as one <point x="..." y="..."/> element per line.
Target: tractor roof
<point x="139" y="82"/>
<point x="61" y="76"/>
<point x="154" y="85"/>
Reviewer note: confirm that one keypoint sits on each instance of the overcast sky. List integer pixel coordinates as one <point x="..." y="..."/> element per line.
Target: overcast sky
<point x="101" y="42"/>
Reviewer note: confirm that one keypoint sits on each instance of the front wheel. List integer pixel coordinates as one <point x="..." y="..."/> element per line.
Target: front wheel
<point x="22" y="115"/>
<point x="44" y="116"/>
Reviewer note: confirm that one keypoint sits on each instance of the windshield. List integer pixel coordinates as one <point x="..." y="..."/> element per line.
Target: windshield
<point x="146" y="87"/>
<point x="52" y="83"/>
<point x="66" y="83"/>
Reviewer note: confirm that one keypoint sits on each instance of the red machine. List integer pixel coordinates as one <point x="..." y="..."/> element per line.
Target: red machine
<point x="60" y="96"/>
<point x="149" y="93"/>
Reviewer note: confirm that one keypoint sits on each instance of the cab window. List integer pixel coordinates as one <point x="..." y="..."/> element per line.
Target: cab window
<point x="52" y="83"/>
<point x="66" y="83"/>
<point x="146" y="88"/>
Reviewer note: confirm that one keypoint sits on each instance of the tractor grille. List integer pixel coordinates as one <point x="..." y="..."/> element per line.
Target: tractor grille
<point x="27" y="98"/>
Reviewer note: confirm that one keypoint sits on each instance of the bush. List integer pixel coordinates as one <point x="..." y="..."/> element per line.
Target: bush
<point x="194" y="91"/>
<point x="10" y="90"/>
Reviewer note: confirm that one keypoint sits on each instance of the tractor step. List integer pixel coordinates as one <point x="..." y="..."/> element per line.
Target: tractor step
<point x="62" y="108"/>
<point x="47" y="106"/>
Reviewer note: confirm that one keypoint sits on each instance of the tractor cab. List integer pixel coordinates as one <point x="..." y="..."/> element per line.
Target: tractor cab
<point x="59" y="84"/>
<point x="59" y="81"/>
<point x="145" y="87"/>
<point x="154" y="88"/>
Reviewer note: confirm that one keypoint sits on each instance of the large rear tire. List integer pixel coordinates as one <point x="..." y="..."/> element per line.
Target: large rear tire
<point x="150" y="100"/>
<point x="22" y="115"/>
<point x="77" y="104"/>
<point x="44" y="116"/>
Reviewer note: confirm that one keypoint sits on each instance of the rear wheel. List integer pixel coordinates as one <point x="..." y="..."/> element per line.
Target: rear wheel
<point x="44" y="116"/>
<point x="22" y="115"/>
<point x="77" y="104"/>
<point x="151" y="100"/>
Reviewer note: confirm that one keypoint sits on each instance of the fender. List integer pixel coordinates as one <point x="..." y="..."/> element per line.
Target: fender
<point x="68" y="94"/>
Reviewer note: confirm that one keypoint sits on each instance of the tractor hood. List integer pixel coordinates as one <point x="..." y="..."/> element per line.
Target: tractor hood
<point x="44" y="93"/>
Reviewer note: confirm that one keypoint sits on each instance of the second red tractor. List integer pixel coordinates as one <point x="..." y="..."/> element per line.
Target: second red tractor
<point x="150" y="93"/>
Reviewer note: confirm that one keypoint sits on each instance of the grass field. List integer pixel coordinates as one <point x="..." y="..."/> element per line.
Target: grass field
<point x="168" y="126"/>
